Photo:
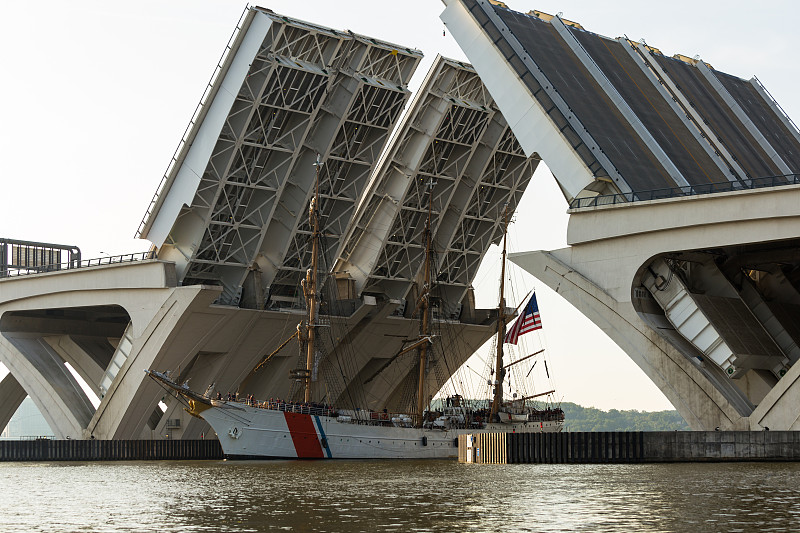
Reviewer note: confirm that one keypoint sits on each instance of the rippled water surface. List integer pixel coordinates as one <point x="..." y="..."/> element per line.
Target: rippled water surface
<point x="397" y="496"/>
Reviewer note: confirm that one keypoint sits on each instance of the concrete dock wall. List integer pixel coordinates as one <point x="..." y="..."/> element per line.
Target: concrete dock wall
<point x="629" y="447"/>
<point x="109" y="450"/>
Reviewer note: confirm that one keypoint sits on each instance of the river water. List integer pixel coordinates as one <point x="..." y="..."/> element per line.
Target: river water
<point x="397" y="496"/>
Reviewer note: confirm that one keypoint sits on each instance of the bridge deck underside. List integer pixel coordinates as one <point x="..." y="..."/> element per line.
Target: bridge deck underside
<point x="737" y="326"/>
<point x="289" y="93"/>
<point x="455" y="152"/>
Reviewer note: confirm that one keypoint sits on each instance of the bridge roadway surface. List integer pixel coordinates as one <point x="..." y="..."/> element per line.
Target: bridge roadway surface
<point x="610" y="111"/>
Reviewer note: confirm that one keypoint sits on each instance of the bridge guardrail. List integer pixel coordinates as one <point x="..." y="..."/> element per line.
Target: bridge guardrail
<point x="687" y="190"/>
<point x="87" y="263"/>
<point x="195" y="116"/>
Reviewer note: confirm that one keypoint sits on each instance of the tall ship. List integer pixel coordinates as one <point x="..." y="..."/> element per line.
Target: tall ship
<point x="306" y="426"/>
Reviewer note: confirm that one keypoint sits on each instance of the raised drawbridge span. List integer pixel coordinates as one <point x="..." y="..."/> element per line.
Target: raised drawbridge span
<point x="680" y="180"/>
<point x="682" y="185"/>
<point x="228" y="224"/>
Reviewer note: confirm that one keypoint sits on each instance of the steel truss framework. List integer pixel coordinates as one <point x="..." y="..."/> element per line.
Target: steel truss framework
<point x="454" y="138"/>
<point x="309" y="90"/>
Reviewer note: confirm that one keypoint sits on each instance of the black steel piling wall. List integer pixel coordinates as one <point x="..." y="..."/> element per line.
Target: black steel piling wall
<point x="629" y="447"/>
<point x="109" y="450"/>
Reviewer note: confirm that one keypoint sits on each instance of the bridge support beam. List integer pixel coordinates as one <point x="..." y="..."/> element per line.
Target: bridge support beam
<point x="86" y="364"/>
<point x="11" y="396"/>
<point x="778" y="408"/>
<point x="613" y="253"/>
<point x="130" y="402"/>
<point x="54" y="390"/>
<point x="696" y="399"/>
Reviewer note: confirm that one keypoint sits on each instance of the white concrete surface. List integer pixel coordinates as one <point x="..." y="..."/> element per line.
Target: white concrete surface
<point x="610" y="244"/>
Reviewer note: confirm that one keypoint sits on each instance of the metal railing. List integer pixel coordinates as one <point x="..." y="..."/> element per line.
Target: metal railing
<point x="198" y="109"/>
<point x="288" y="407"/>
<point x="687" y="190"/>
<point x="775" y="103"/>
<point x="100" y="261"/>
<point x="30" y="437"/>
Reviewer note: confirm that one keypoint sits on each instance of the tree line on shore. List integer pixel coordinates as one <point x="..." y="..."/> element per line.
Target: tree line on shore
<point x="579" y="418"/>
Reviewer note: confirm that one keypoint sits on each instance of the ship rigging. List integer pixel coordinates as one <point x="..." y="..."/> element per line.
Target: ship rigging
<point x="306" y="425"/>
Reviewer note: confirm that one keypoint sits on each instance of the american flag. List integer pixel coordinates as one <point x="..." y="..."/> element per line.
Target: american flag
<point x="528" y="321"/>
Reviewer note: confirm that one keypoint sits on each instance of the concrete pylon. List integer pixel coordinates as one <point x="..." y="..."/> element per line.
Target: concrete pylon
<point x="695" y="398"/>
<point x="42" y="374"/>
<point x="11" y="396"/>
<point x="48" y="320"/>
<point x="712" y="246"/>
<point x="130" y="403"/>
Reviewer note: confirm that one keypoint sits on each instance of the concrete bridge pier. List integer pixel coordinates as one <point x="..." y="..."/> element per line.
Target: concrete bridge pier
<point x="681" y="381"/>
<point x="691" y="291"/>
<point x="93" y="319"/>
<point x="56" y="393"/>
<point x="11" y="396"/>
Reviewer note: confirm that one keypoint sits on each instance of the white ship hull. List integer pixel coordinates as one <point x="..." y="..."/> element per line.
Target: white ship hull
<point x="251" y="432"/>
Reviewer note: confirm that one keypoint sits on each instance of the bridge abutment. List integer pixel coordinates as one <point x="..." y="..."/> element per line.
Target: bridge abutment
<point x="690" y="291"/>
<point x="695" y="398"/>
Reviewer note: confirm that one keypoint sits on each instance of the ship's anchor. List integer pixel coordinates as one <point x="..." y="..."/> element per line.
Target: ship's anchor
<point x="234" y="432"/>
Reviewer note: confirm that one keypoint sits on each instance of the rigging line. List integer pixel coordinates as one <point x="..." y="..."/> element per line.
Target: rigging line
<point x="346" y="384"/>
<point x="385" y="380"/>
<point x="457" y="342"/>
<point x="443" y="354"/>
<point x="453" y="379"/>
<point x="441" y="327"/>
<point x="340" y="353"/>
<point x="278" y="349"/>
<point x="473" y="370"/>
<point x="531" y="370"/>
<point x="540" y="336"/>
<point x="451" y="376"/>
<point x="448" y="371"/>
<point x="393" y="358"/>
<point x="524" y="358"/>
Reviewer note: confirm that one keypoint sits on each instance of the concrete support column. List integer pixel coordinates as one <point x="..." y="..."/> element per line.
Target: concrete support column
<point x="11" y="396"/>
<point x="778" y="409"/>
<point x="43" y="375"/>
<point x="84" y="364"/>
<point x="128" y="404"/>
<point x="696" y="399"/>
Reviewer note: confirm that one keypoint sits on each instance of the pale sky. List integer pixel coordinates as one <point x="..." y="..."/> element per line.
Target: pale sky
<point x="96" y="95"/>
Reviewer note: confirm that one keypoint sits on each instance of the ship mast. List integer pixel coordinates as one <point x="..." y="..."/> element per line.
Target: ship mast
<point x="424" y="302"/>
<point x="499" y="370"/>
<point x="310" y="285"/>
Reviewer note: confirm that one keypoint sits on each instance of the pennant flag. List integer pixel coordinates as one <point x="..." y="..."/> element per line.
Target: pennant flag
<point x="528" y="321"/>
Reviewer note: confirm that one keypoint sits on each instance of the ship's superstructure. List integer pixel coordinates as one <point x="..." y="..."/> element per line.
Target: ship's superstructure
<point x="311" y="428"/>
